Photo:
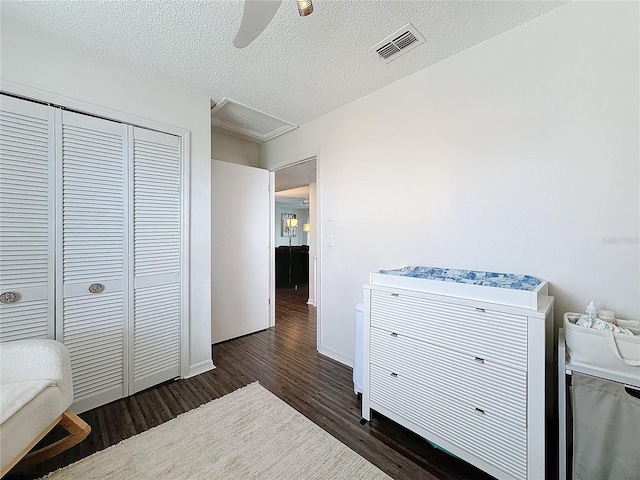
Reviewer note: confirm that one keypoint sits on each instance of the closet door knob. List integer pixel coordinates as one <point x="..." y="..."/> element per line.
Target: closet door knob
<point x="9" y="297"/>
<point x="96" y="288"/>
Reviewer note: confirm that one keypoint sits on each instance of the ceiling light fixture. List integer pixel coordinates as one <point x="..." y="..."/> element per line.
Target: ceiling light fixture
<point x="305" y="7"/>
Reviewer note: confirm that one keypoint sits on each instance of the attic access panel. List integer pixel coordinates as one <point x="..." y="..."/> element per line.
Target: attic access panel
<point x="239" y="118"/>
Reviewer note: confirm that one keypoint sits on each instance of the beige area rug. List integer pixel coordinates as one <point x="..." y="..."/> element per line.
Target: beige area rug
<point x="248" y="434"/>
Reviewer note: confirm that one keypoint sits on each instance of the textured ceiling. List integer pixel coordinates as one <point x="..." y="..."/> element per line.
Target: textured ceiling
<point x="297" y="70"/>
<point x="296" y="176"/>
<point x="296" y="197"/>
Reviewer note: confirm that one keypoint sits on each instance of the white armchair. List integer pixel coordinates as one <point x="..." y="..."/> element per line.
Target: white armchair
<point x="36" y="391"/>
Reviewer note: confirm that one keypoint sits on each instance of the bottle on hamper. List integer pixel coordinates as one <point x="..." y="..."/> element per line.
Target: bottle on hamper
<point x="591" y="310"/>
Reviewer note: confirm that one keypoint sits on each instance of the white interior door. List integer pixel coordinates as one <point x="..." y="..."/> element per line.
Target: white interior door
<point x="26" y="220"/>
<point x="154" y="334"/>
<point x="92" y="253"/>
<point x="240" y="250"/>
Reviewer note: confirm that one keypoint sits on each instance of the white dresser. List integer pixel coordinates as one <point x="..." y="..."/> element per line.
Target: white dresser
<point x="466" y="374"/>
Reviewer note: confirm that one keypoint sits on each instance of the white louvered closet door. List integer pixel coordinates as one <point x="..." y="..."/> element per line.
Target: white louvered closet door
<point x="92" y="247"/>
<point x="155" y="335"/>
<point x="26" y="220"/>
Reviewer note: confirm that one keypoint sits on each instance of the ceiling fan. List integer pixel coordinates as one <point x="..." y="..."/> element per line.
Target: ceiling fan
<point x="258" y="14"/>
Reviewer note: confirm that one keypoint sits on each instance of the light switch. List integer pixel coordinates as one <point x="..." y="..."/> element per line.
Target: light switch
<point x="330" y="240"/>
<point x="330" y="219"/>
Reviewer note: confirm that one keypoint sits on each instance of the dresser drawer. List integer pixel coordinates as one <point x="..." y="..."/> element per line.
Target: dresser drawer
<point x="496" y="336"/>
<point x="485" y="384"/>
<point x="480" y="432"/>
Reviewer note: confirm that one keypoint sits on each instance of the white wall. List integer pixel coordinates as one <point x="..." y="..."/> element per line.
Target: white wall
<point x="302" y="238"/>
<point x="49" y="69"/>
<point x="518" y="155"/>
<point x="234" y="150"/>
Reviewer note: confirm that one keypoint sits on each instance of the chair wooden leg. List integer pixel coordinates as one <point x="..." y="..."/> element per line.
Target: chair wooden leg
<point x="78" y="430"/>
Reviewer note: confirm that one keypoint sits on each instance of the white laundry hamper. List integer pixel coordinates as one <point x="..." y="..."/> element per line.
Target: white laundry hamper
<point x="606" y="429"/>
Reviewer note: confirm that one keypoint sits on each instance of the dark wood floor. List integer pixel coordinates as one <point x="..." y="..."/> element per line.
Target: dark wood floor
<point x="285" y="361"/>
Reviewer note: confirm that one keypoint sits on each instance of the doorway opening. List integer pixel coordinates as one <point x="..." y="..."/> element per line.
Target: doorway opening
<point x="295" y="238"/>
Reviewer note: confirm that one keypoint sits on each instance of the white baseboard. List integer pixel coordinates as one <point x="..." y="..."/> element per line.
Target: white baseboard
<point x="199" y="368"/>
<point x="337" y="356"/>
<point x="311" y="302"/>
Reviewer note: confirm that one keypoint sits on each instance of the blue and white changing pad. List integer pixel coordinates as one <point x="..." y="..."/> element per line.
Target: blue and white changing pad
<point x="522" y="291"/>
<point x="469" y="277"/>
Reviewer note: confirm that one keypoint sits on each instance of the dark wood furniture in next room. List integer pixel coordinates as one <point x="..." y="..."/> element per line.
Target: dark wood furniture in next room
<point x="299" y="258"/>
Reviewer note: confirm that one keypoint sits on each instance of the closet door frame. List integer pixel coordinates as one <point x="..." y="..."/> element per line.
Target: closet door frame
<point x="42" y="96"/>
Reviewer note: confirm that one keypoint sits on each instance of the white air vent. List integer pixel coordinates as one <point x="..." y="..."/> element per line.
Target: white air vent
<point x="398" y="43"/>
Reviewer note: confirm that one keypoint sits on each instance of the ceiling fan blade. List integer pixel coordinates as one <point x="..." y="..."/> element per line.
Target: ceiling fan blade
<point x="256" y="17"/>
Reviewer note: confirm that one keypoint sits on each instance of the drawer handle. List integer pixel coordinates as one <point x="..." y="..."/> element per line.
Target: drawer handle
<point x="480" y="310"/>
<point x="96" y="288"/>
<point x="480" y="411"/>
<point x="9" y="297"/>
<point x="395" y="294"/>
<point x="479" y="360"/>
<point x="394" y="375"/>
<point x="394" y="334"/>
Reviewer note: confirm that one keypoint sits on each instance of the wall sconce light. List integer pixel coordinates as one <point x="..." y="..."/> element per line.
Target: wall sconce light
<point x="306" y="227"/>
